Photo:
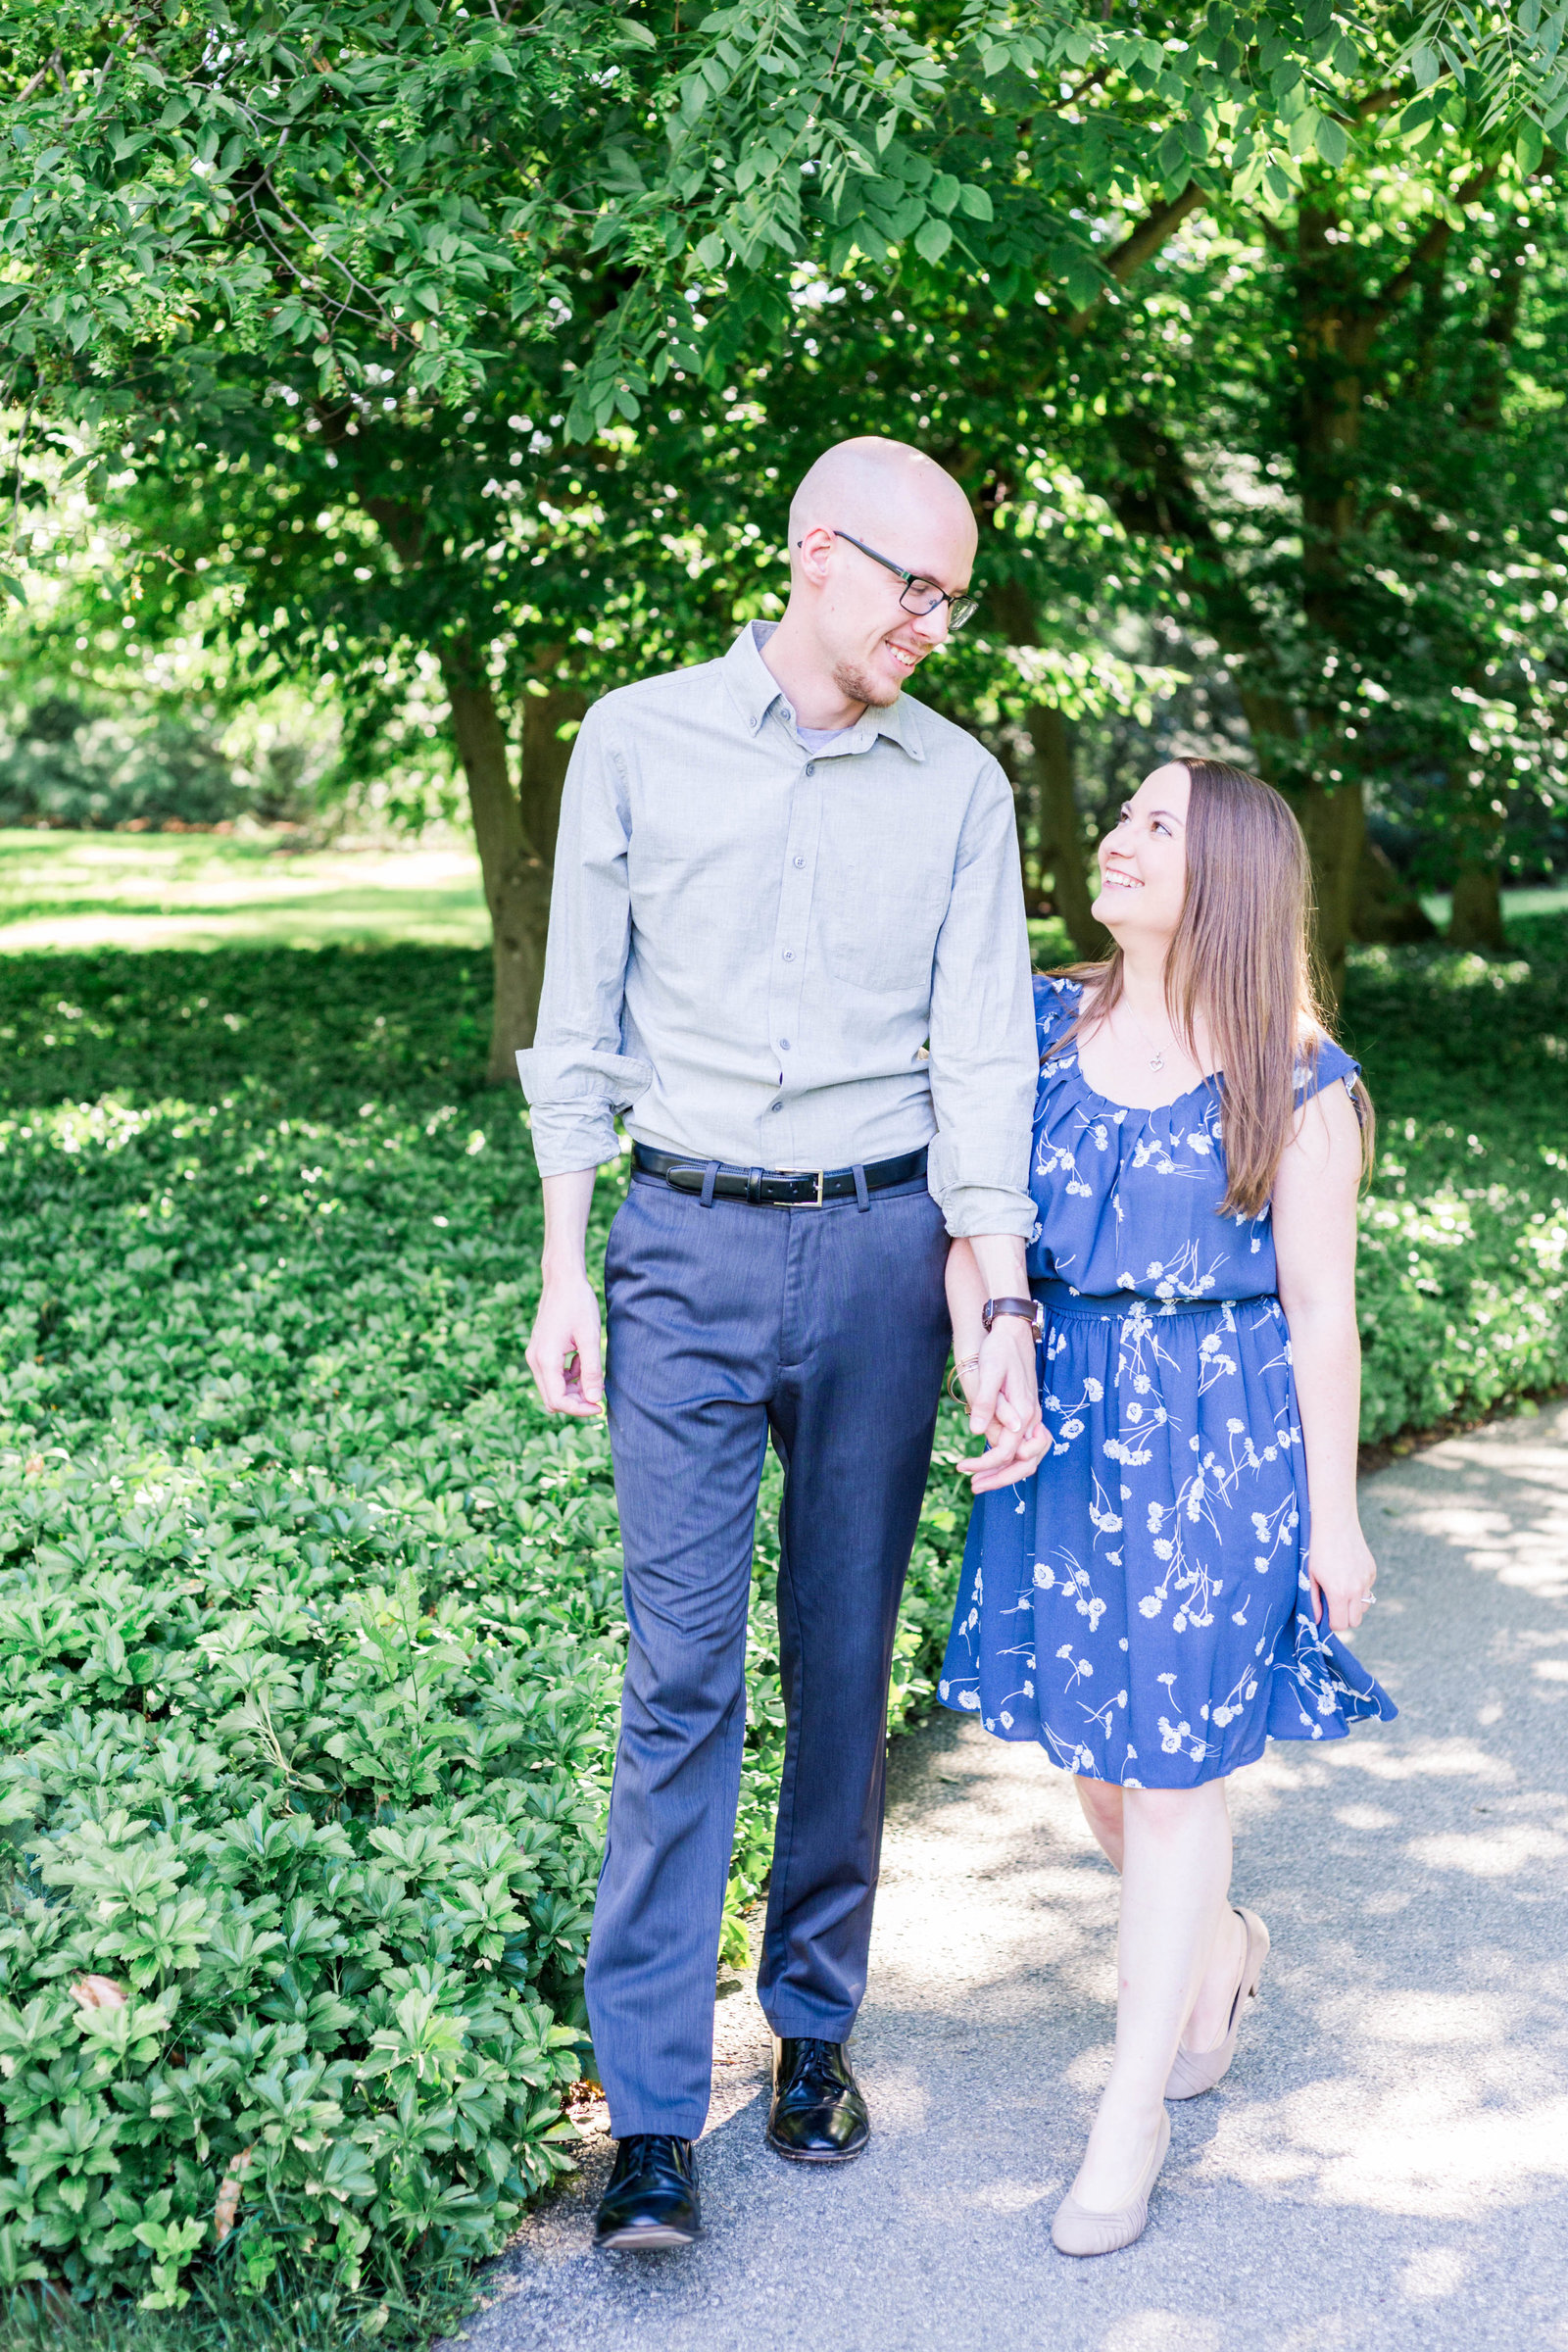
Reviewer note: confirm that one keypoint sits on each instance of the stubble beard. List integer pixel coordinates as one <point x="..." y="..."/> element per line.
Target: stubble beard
<point x="856" y="687"/>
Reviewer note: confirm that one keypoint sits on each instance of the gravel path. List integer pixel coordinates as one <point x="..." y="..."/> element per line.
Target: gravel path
<point x="1387" y="2164"/>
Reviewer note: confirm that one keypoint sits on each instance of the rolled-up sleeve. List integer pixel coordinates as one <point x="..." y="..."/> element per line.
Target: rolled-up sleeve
<point x="574" y="1075"/>
<point x="984" y="1062"/>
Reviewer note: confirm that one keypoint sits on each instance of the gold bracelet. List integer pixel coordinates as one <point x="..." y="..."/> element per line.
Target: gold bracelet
<point x="961" y="1365"/>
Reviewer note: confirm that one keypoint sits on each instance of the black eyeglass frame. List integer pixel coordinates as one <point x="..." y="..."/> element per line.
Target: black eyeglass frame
<point x="960" y="607"/>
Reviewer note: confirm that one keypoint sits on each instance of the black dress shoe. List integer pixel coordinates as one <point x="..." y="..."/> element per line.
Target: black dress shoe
<point x="818" y="2114"/>
<point x="652" y="2200"/>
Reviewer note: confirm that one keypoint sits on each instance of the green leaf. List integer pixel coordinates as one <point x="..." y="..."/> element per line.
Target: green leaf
<point x="975" y="202"/>
<point x="932" y="241"/>
<point x="1316" y="17"/>
<point x="1170" y="156"/>
<point x="1332" y="145"/>
<point x="943" y="192"/>
<point x="630" y="30"/>
<point x="1528" y="148"/>
<point x="1425" y="66"/>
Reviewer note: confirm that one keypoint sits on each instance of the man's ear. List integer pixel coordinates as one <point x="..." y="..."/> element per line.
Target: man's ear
<point x="813" y="550"/>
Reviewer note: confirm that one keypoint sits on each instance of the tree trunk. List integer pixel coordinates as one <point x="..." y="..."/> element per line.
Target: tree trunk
<point x="1386" y="911"/>
<point x="1052" y="738"/>
<point x="515" y="831"/>
<point x="1335" y="825"/>
<point x="1477" y="917"/>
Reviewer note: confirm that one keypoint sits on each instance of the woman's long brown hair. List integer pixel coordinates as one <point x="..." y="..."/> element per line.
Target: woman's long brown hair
<point x="1241" y="958"/>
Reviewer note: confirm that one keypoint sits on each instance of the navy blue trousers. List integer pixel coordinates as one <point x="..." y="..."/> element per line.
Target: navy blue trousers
<point x="827" y="1329"/>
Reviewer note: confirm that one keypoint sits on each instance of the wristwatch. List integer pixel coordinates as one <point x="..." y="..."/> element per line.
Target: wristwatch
<point x="1031" y="1310"/>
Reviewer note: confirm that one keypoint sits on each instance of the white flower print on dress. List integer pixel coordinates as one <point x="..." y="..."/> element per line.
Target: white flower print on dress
<point x="1167" y="1597"/>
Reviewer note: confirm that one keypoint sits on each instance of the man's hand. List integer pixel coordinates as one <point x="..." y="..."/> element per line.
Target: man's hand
<point x="1004" y="1399"/>
<point x="565" y="1354"/>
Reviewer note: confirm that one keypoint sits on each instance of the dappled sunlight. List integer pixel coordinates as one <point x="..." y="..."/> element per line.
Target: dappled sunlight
<point x="1491" y="1853"/>
<point x="74" y="892"/>
<point x="1403" y="2077"/>
<point x="1499" y="1498"/>
<point x="1411" y="2150"/>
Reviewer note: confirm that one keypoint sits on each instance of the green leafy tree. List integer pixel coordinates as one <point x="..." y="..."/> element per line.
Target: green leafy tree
<point x="308" y="267"/>
<point x="1315" y="418"/>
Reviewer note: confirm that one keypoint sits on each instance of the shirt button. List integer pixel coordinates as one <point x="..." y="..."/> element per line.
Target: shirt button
<point x="799" y="863"/>
<point x="775" y="1107"/>
<point x="789" y="954"/>
<point x="811" y="768"/>
<point x="783" y="1045"/>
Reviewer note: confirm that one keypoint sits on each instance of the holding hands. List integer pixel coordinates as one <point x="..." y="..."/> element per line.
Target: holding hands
<point x="997" y="1367"/>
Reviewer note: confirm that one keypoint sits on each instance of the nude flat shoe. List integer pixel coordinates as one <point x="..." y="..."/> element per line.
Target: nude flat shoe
<point x="1079" y="2230"/>
<point x="1192" y="2072"/>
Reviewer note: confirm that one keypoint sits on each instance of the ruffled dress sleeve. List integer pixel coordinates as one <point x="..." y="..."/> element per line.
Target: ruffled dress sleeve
<point x="1330" y="1065"/>
<point x="1055" y="1004"/>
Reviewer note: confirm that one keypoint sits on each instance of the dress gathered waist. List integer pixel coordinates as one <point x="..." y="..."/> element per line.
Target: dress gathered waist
<point x="1062" y="1299"/>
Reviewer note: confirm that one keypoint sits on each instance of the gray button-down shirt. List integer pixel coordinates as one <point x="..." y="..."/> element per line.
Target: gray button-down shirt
<point x="786" y="959"/>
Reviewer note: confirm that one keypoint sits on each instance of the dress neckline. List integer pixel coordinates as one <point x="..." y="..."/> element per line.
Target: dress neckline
<point x="1143" y="1110"/>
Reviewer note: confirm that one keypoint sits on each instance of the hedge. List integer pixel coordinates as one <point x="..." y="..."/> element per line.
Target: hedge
<point x="310" y="1624"/>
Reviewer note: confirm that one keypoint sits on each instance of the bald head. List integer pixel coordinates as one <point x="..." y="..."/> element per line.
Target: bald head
<point x="872" y="521"/>
<point x="868" y="486"/>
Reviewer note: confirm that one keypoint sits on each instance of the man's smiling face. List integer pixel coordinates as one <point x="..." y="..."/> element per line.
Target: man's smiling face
<point x="875" y="646"/>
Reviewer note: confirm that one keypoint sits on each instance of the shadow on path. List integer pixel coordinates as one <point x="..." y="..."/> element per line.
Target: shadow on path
<point x="1387" y="2164"/>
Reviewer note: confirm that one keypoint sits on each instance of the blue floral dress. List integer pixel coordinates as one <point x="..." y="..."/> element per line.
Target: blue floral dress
<point x="1139" y="1605"/>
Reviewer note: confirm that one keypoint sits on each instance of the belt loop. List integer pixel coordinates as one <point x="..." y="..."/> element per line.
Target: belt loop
<point x="754" y="1186"/>
<point x="862" y="1199"/>
<point x="710" y="1174"/>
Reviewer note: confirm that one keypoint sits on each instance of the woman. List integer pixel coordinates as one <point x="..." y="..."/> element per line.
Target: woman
<point x="1158" y="1598"/>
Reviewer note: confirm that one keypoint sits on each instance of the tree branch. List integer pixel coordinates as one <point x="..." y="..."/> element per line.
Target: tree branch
<point x="1141" y="245"/>
<point x="1430" y="246"/>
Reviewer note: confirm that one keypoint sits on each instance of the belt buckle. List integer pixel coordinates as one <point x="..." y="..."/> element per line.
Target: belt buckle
<point x="818" y="1201"/>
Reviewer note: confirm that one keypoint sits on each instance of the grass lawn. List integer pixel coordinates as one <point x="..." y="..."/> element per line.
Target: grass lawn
<point x="310" y="1626"/>
<point x="75" y="891"/>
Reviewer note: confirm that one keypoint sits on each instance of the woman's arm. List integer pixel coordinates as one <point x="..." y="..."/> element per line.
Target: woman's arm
<point x="967" y="1297"/>
<point x="1314" y="1247"/>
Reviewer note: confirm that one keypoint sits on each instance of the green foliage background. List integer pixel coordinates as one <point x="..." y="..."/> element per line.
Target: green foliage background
<point x="310" y="1629"/>
<point x="309" y="1625"/>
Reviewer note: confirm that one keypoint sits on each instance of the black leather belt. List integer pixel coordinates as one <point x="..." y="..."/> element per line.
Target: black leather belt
<point x="772" y="1188"/>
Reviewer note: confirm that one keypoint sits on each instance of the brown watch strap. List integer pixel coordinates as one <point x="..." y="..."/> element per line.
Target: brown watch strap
<point x="1030" y="1312"/>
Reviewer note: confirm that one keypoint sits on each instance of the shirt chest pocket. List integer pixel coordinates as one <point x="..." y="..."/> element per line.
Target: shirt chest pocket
<point x="877" y="921"/>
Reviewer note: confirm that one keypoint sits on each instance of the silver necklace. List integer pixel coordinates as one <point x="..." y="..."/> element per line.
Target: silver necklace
<point x="1156" y="1057"/>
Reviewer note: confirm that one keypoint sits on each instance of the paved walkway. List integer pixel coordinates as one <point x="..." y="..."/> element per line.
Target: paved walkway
<point x="1386" y="2166"/>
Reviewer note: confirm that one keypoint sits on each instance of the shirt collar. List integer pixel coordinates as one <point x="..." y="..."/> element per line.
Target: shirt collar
<point x="756" y="692"/>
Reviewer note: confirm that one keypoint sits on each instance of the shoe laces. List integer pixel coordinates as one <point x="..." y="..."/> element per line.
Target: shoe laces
<point x="640" y="2149"/>
<point x="818" y="2065"/>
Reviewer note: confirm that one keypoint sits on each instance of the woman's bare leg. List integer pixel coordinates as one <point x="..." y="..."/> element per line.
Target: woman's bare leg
<point x="1209" y="2022"/>
<point x="1176" y="1871"/>
<point x="1101" y="1805"/>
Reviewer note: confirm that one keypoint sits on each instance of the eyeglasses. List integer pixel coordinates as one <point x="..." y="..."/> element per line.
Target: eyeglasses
<point x="920" y="594"/>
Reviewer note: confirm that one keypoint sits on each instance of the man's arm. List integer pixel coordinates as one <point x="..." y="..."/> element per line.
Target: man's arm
<point x="984" y="1066"/>
<point x="563" y="1350"/>
<point x="574" y="1074"/>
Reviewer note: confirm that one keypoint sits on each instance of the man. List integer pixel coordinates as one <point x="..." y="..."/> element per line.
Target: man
<point x="787" y="942"/>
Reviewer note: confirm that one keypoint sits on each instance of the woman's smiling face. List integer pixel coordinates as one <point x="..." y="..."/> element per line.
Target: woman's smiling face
<point x="1143" y="861"/>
